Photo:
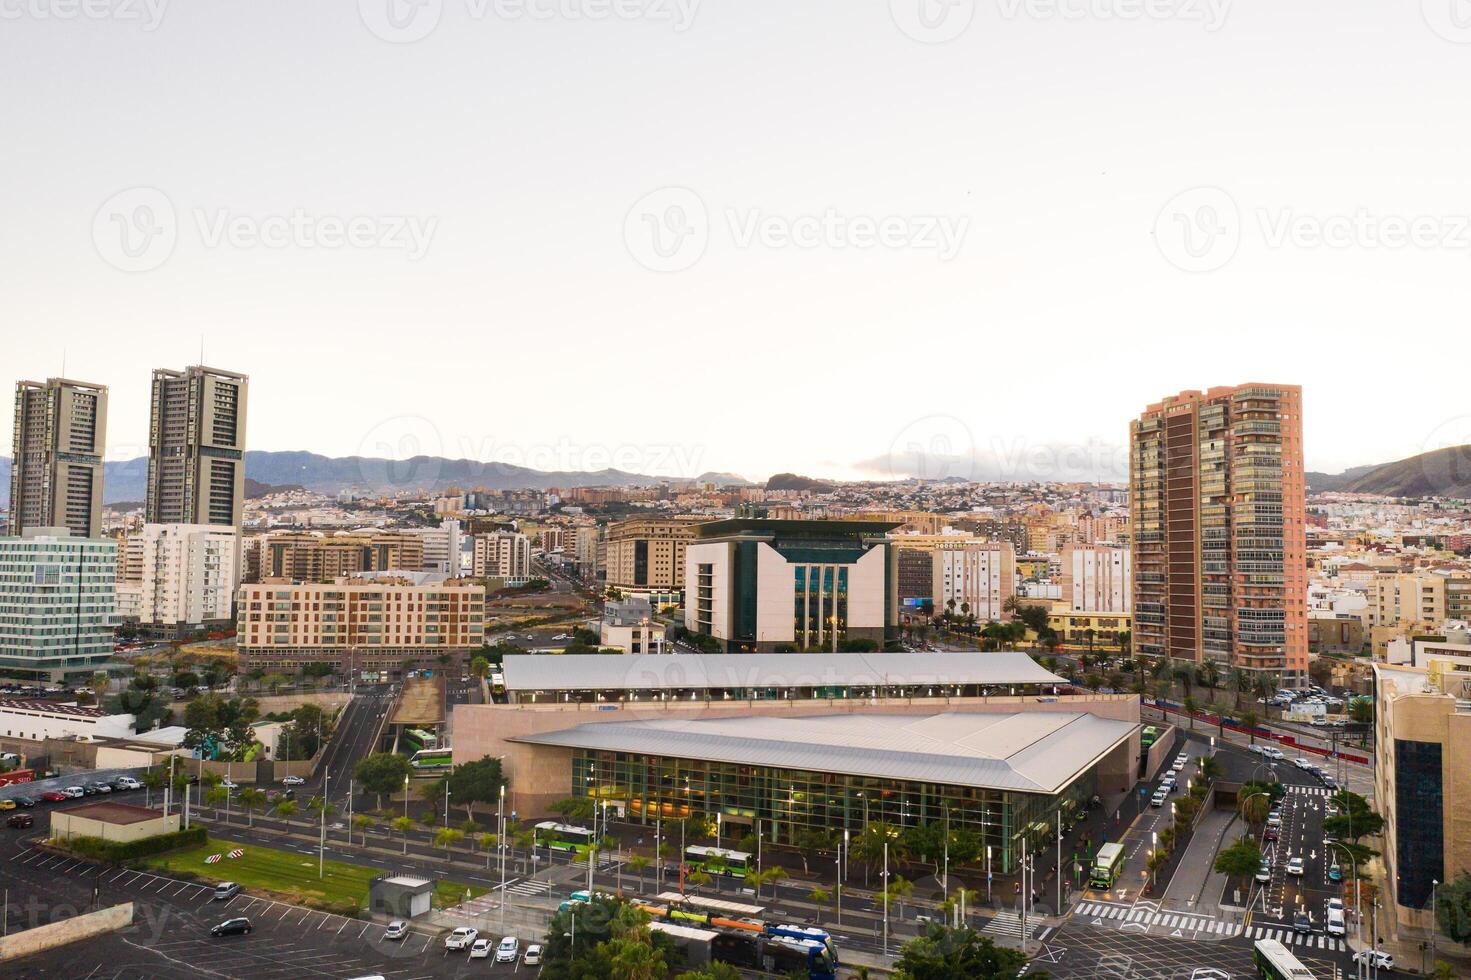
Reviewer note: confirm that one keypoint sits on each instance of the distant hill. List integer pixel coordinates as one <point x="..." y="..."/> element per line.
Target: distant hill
<point x="1331" y="482"/>
<point x="254" y="489"/>
<point x="128" y="479"/>
<point x="1440" y="473"/>
<point x="791" y="481"/>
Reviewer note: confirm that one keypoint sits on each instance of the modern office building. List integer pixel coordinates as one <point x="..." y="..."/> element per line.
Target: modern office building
<point x="56" y="468"/>
<point x="1219" y="529"/>
<point x="441" y="547"/>
<point x="379" y="625"/>
<point x="58" y="603"/>
<point x="1096" y="578"/>
<point x="768" y="585"/>
<point x="310" y="556"/>
<point x="504" y="555"/>
<point x="1422" y="784"/>
<point x="646" y="555"/>
<point x="196" y="447"/>
<point x="178" y="577"/>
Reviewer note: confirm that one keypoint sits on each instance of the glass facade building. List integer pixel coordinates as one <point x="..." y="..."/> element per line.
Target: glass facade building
<point x="58" y="604"/>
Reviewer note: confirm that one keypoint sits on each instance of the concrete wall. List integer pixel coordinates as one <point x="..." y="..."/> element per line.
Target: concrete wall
<point x="65" y="826"/>
<point x="1161" y="752"/>
<point x="55" y="934"/>
<point x="541" y="775"/>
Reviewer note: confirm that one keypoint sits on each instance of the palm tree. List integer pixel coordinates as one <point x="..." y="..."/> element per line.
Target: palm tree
<point x="403" y="825"/>
<point x="523" y="840"/>
<point x="251" y="799"/>
<point x="285" y="809"/>
<point x="819" y="897"/>
<point x="362" y="822"/>
<point x="1249" y="719"/>
<point x="1254" y="807"/>
<point x="487" y="844"/>
<point x="447" y="837"/>
<point x="1156" y="860"/>
<point x="1191" y="706"/>
<point x="638" y="863"/>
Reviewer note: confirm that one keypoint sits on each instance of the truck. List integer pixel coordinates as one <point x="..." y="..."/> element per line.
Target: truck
<point x="17" y="776"/>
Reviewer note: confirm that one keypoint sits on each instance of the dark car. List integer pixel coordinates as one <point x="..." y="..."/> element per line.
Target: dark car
<point x="25" y="802"/>
<point x="20" y="820"/>
<point x="231" y="927"/>
<point x="1301" y="923"/>
<point x="89" y="790"/>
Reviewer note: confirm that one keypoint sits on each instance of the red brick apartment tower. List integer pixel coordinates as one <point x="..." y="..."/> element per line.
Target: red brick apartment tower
<point x="1218" y="495"/>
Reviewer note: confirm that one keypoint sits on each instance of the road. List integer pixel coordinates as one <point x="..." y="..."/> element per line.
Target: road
<point x="356" y="736"/>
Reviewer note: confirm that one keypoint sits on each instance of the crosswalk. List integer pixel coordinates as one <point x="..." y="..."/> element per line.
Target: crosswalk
<point x="1291" y="938"/>
<point x="1005" y="923"/>
<point x="1311" y="790"/>
<point x="1184" y="921"/>
<point x="529" y="889"/>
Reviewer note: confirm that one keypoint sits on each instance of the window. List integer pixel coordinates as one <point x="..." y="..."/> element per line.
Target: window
<point x="1418" y="820"/>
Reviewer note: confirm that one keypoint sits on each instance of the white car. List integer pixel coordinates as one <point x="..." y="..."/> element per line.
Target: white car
<point x="1302" y="764"/>
<point x="1272" y="752"/>
<point x="397" y="930"/>
<point x="508" y="951"/>
<point x="229" y="784"/>
<point x="533" y="955"/>
<point x="1375" y="958"/>
<point x="480" y="950"/>
<point x="1159" y="797"/>
<point x="293" y="781"/>
<point x="461" y="938"/>
<point x="74" y="792"/>
<point x="1295" y="866"/>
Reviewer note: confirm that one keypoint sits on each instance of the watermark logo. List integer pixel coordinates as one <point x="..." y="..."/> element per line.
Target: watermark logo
<point x="1199" y="230"/>
<point x="1449" y="19"/>
<point x="1445" y="461"/>
<point x="1210" y="14"/>
<point x="936" y="447"/>
<point x="136" y="230"/>
<point x="667" y="230"/>
<point x="400" y="21"/>
<point x="402" y="451"/>
<point x="932" y="21"/>
<point x="147" y="14"/>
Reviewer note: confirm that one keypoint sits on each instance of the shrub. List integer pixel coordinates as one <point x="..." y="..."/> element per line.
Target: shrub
<point x="116" y="852"/>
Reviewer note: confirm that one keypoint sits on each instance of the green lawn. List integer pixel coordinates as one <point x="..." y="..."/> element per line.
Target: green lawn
<point x="343" y="887"/>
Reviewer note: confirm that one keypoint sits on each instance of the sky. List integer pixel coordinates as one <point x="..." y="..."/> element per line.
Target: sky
<point x="678" y="236"/>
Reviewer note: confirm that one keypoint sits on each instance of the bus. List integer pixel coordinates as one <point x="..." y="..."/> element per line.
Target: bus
<point x="561" y="836"/>
<point x="1275" y="962"/>
<point x="432" y="759"/>
<point x="418" y="738"/>
<point x="497" y="683"/>
<point x="1148" y="736"/>
<point x="1106" y="866"/>
<point x="731" y="910"/>
<point x="749" y="949"/>
<point x="719" y="861"/>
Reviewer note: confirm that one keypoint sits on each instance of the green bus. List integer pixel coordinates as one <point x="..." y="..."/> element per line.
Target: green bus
<point x="1147" y="738"/>
<point x="1275" y="962"/>
<point x="561" y="836"/>
<point x="1106" y="866"/>
<point x="418" y="738"/>
<point x="719" y="861"/>
<point x="432" y="759"/>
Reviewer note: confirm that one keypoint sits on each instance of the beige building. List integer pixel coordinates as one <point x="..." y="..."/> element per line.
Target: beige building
<point x="196" y="447"/>
<point x="976" y="579"/>
<point x="56" y="473"/>
<point x="647" y="554"/>
<point x="379" y="625"/>
<point x="504" y="555"/>
<point x="1402" y="605"/>
<point x="309" y="556"/>
<point x="1422" y="785"/>
<point x="178" y="575"/>
<point x="118" y="822"/>
<point x="1096" y="578"/>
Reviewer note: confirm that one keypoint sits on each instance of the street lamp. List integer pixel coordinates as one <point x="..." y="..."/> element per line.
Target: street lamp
<point x="406" y="814"/>
<point x="1358" y="893"/>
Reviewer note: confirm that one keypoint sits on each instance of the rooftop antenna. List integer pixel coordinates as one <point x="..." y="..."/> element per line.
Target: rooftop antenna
<point x="201" y="350"/>
<point x="63" y="362"/>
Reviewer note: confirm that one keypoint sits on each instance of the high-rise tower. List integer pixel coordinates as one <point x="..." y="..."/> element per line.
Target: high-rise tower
<point x="196" y="447"/>
<point x="56" y="476"/>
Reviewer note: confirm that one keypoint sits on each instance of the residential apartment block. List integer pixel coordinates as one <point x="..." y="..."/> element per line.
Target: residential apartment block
<point x="56" y="469"/>
<point x="380" y="626"/>
<point x="502" y="554"/>
<point x="1218" y="522"/>
<point x="196" y="447"/>
<point x="1096" y="578"/>
<point x="178" y="576"/>
<point x="647" y="554"/>
<point x="310" y="556"/>
<point x="975" y="579"/>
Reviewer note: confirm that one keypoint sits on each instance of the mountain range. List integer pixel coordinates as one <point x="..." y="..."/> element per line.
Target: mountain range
<point x="127" y="480"/>
<point x="1439" y="473"/>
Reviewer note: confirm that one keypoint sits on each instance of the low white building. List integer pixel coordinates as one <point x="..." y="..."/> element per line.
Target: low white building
<point x="442" y="547"/>
<point x="1095" y="578"/>
<point x="975" y="579"/>
<point x="178" y="575"/>
<point x="630" y="626"/>
<point x="38" y="720"/>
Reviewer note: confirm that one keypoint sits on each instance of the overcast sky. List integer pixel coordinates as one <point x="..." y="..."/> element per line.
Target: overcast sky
<point x="679" y="236"/>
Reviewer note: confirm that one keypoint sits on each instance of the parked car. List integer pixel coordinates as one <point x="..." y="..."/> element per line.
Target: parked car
<point x="533" y="955"/>
<point x="54" y="796"/>
<point x="461" y="938"/>
<point x="1295" y="866"/>
<point x="397" y="930"/>
<point x="509" y="950"/>
<point x="73" y="793"/>
<point x="226" y="890"/>
<point x="24" y="802"/>
<point x="20" y="821"/>
<point x="100" y="787"/>
<point x="480" y="949"/>
<point x="1376" y="958"/>
<point x="125" y="783"/>
<point x="293" y="781"/>
<point x="1330" y="782"/>
<point x="229" y="784"/>
<point x="7" y="804"/>
<point x="231" y="927"/>
<point x="1159" y="797"/>
<point x="87" y="789"/>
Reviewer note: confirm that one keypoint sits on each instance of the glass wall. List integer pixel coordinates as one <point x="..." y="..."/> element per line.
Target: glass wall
<point x="786" y="801"/>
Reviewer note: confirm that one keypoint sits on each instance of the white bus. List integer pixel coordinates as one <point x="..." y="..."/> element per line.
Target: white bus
<point x="561" y="836"/>
<point x="1275" y="962"/>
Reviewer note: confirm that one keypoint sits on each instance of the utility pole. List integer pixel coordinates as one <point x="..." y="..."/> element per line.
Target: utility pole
<point x="1059" y="861"/>
<point x="886" y="898"/>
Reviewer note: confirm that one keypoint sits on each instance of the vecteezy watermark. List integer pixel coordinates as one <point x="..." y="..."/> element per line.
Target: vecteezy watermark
<point x="136" y="230"/>
<point x="1450" y="19"/>
<point x="1200" y="230"/>
<point x="669" y="229"/>
<point x="1445" y="457"/>
<point x="406" y="21"/>
<point x="1210" y="14"/>
<point x="932" y="21"/>
<point x="146" y="14"/>
<point x="936" y="447"/>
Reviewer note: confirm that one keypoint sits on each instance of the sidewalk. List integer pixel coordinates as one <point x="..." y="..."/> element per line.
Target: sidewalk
<point x="1195" y="885"/>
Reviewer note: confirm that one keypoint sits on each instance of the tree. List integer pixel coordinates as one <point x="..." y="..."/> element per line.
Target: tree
<point x="382" y="773"/>
<point x="942" y="953"/>
<point x="447" y="837"/>
<point x="476" y="782"/>
<point x="361" y="822"/>
<point x="1453" y="908"/>
<point x="488" y="843"/>
<point x="285" y="809"/>
<point x="711" y="971"/>
<point x="217" y="797"/>
<point x="868" y="846"/>
<point x="479" y="666"/>
<point x="638" y="863"/>
<point x="1248" y="721"/>
<point x="251" y="800"/>
<point x="1355" y="818"/>
<point x="819" y="897"/>
<point x="573" y="807"/>
<point x="403" y="825"/>
<point x="1191" y="707"/>
<point x="896" y="889"/>
<point x="1157" y="859"/>
<point x="1361" y="710"/>
<point x="1210" y="768"/>
<point x="1240" y="860"/>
